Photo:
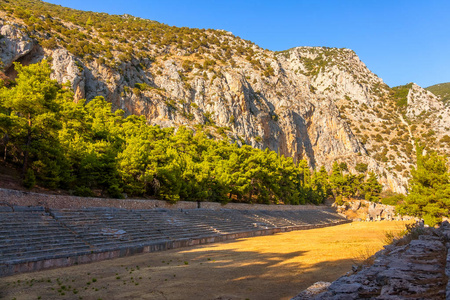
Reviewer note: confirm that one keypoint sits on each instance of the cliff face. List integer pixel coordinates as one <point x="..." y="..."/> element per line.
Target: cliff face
<point x="318" y="104"/>
<point x="426" y="109"/>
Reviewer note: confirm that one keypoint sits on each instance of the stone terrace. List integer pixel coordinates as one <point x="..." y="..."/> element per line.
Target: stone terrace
<point x="35" y="238"/>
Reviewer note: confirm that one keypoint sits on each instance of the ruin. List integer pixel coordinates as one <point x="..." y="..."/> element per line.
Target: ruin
<point x="40" y="237"/>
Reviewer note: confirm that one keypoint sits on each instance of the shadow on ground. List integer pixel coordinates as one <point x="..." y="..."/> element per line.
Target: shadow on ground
<point x="220" y="271"/>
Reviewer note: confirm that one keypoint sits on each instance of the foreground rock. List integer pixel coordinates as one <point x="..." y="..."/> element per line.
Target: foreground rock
<point x="418" y="269"/>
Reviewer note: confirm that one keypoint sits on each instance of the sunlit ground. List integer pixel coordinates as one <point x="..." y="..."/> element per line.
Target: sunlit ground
<point x="267" y="267"/>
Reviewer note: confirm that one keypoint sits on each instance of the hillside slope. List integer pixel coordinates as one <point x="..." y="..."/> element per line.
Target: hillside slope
<point x="442" y="90"/>
<point x="317" y="103"/>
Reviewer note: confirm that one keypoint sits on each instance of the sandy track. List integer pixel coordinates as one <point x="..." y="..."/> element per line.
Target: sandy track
<point x="266" y="267"/>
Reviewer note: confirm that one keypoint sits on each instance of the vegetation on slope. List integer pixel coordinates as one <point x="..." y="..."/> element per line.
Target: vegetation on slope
<point x="441" y="90"/>
<point x="114" y="39"/>
<point x="87" y="148"/>
<point x="120" y="43"/>
<point x="400" y="95"/>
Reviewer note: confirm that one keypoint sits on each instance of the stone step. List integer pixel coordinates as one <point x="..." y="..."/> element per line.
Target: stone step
<point x="43" y="252"/>
<point x="24" y="234"/>
<point x="98" y="238"/>
<point x="30" y="233"/>
<point x="30" y="257"/>
<point x="42" y="247"/>
<point x="37" y="239"/>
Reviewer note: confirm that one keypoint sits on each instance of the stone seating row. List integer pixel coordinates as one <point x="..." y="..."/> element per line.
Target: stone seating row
<point x="35" y="233"/>
<point x="30" y="233"/>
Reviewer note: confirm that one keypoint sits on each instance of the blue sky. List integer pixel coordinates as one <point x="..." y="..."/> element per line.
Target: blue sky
<point x="401" y="41"/>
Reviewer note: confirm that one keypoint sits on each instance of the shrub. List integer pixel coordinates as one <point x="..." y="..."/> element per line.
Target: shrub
<point x="361" y="167"/>
<point x="187" y="66"/>
<point x="49" y="44"/>
<point x="83" y="191"/>
<point x="29" y="181"/>
<point x="394" y="199"/>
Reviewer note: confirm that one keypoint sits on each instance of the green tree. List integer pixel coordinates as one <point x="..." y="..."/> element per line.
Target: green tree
<point x="343" y="166"/>
<point x="32" y="98"/>
<point x="372" y="188"/>
<point x="429" y="189"/>
<point x="89" y="22"/>
<point x="337" y="181"/>
<point x="136" y="166"/>
<point x="10" y="130"/>
<point x="320" y="185"/>
<point x="32" y="106"/>
<point x="91" y="136"/>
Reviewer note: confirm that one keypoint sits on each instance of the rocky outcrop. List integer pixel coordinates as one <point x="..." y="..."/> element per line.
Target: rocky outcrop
<point x="362" y="210"/>
<point x="313" y="290"/>
<point x="418" y="269"/>
<point x="421" y="101"/>
<point x="425" y="107"/>
<point x="15" y="44"/>
<point x="67" y="69"/>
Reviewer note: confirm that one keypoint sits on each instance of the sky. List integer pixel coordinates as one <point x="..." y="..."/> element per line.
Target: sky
<point x="400" y="41"/>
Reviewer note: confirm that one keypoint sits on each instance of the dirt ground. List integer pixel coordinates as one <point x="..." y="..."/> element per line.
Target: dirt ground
<point x="267" y="267"/>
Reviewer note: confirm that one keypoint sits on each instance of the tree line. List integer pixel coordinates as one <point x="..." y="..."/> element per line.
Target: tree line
<point x="89" y="149"/>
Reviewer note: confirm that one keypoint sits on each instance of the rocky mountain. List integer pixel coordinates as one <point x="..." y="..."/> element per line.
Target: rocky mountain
<point x="315" y="103"/>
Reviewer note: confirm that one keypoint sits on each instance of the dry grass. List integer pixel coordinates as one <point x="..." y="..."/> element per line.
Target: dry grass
<point x="365" y="256"/>
<point x="267" y="267"/>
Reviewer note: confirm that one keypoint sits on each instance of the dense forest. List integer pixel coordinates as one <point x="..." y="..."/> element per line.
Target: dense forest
<point x="88" y="149"/>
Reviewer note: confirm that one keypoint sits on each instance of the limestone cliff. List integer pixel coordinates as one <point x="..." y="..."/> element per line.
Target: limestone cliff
<point x="313" y="103"/>
<point x="431" y="115"/>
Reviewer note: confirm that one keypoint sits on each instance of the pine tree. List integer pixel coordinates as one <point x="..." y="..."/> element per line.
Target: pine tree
<point x="320" y="185"/>
<point x="337" y="181"/>
<point x="372" y="188"/>
<point x="429" y="189"/>
<point x="31" y="108"/>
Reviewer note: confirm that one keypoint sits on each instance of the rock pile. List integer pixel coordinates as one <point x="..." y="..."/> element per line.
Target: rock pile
<point x="418" y="269"/>
<point x="361" y="210"/>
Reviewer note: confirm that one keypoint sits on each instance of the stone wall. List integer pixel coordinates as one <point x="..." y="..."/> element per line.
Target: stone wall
<point x="21" y="198"/>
